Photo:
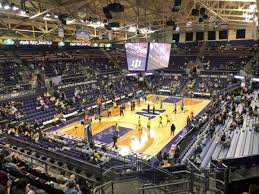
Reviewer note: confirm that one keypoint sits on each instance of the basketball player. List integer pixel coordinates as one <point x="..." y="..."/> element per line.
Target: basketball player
<point x="172" y="129"/>
<point x="157" y="98"/>
<point x="160" y="121"/>
<point x="154" y="109"/>
<point x="139" y="123"/>
<point x="148" y="126"/>
<point x="145" y="97"/>
<point x="182" y="106"/>
<point x="167" y="119"/>
<point x="117" y="130"/>
<point x="114" y="104"/>
<point x="121" y="111"/>
<point x="161" y="104"/>
<point x="148" y="108"/>
<point x="175" y="108"/>
<point x="114" y="138"/>
<point x="134" y="105"/>
<point x="131" y="105"/>
<point x="100" y="119"/>
<point x="109" y="112"/>
<point x="192" y="115"/>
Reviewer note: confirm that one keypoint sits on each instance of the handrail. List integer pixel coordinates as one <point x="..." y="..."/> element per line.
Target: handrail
<point x="39" y="149"/>
<point x="193" y="165"/>
<point x="157" y="168"/>
<point x="164" y="185"/>
<point x="101" y="186"/>
<point x="66" y="159"/>
<point x="115" y="167"/>
<point x="217" y="180"/>
<point x="45" y="162"/>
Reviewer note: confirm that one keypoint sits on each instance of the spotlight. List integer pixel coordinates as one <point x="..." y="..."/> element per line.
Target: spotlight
<point x="15" y="8"/>
<point x="47" y="15"/>
<point x="7" y="6"/>
<point x="252" y="7"/>
<point x="23" y="12"/>
<point x="132" y="29"/>
<point x="56" y="16"/>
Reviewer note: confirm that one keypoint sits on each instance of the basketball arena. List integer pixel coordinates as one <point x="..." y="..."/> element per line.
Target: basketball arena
<point x="129" y="97"/>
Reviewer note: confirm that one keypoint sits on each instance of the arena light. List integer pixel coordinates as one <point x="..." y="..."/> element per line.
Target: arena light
<point x="56" y="16"/>
<point x="1" y="6"/>
<point x="7" y="7"/>
<point x="132" y="29"/>
<point x="23" y="12"/>
<point x="15" y="8"/>
<point x="189" y="23"/>
<point x="252" y="7"/>
<point x="146" y="31"/>
<point x="70" y="21"/>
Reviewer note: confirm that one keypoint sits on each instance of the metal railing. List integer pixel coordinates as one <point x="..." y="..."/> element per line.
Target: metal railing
<point x="45" y="165"/>
<point x="106" y="188"/>
<point x="181" y="186"/>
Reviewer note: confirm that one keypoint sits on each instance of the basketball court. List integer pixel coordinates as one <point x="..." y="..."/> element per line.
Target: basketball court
<point x="140" y="140"/>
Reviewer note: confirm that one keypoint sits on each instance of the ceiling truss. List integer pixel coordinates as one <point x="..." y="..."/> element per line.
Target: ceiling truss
<point x="151" y="14"/>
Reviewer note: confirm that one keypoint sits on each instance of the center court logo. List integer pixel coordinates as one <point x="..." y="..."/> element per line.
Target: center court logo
<point x="150" y="115"/>
<point x="136" y="63"/>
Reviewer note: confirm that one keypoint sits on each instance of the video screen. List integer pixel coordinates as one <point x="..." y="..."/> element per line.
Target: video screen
<point x="159" y="54"/>
<point x="136" y="56"/>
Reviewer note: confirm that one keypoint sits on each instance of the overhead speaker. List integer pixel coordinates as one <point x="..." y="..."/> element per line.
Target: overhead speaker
<point x="62" y="18"/>
<point x="177" y="3"/>
<point x="116" y="7"/>
<point x="107" y="27"/>
<point x="200" y="20"/>
<point x="195" y="12"/>
<point x="114" y="24"/>
<point x="107" y="12"/>
<point x="202" y="11"/>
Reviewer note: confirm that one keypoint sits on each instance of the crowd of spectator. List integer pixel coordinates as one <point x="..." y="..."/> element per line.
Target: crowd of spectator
<point x="19" y="177"/>
<point x="230" y="111"/>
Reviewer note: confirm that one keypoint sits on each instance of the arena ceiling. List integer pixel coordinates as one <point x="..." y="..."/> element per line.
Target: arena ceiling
<point x="40" y="19"/>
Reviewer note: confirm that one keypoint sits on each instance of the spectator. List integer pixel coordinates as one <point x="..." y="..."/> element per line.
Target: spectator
<point x="72" y="188"/>
<point x="21" y="186"/>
